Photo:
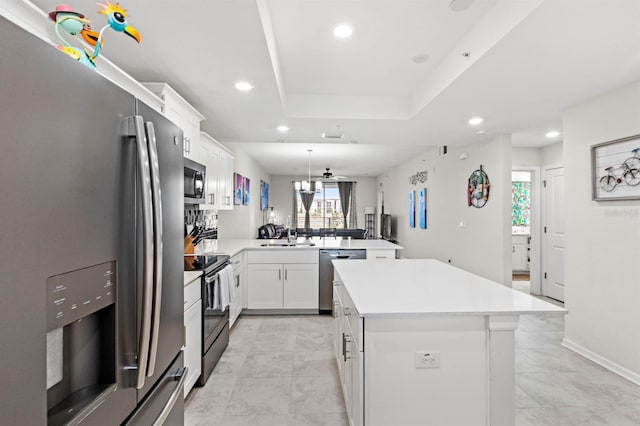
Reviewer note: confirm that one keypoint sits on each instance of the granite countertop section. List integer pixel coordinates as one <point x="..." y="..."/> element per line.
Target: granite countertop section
<point x="233" y="247"/>
<point x="424" y="287"/>
<point x="189" y="276"/>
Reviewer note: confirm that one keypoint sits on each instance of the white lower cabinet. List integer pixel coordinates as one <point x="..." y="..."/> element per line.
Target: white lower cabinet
<point x="193" y="333"/>
<point x="349" y="355"/>
<point x="381" y="254"/>
<point x="282" y="280"/>
<point x="283" y="286"/>
<point x="237" y="301"/>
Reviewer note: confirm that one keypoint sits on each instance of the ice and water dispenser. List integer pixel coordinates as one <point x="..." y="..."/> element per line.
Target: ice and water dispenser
<point x="81" y="342"/>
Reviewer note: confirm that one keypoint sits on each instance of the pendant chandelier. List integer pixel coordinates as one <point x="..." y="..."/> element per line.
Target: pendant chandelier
<point x="308" y="186"/>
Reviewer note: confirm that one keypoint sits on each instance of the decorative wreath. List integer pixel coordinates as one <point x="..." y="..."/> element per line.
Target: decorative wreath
<point x="478" y="189"/>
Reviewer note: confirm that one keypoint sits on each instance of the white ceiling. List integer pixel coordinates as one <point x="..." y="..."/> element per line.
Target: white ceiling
<point x="528" y="61"/>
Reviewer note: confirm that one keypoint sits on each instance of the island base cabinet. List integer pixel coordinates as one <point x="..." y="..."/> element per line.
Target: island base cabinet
<point x="473" y="385"/>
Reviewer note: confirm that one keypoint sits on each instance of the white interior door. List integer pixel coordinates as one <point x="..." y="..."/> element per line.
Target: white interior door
<point x="553" y="234"/>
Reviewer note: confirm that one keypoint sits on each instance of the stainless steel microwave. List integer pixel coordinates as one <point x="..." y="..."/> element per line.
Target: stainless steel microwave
<point x="194" y="178"/>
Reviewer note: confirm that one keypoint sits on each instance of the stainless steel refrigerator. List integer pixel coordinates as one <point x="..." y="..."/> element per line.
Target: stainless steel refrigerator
<point x="91" y="280"/>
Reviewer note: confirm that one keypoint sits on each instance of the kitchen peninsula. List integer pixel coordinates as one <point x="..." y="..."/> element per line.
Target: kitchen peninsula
<point x="232" y="247"/>
<point x="284" y="276"/>
<point x="417" y="339"/>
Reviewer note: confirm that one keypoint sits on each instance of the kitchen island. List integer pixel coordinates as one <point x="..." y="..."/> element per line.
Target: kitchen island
<point x="420" y="342"/>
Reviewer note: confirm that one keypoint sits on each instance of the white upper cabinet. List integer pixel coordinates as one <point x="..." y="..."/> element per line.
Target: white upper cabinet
<point x="219" y="161"/>
<point x="178" y="110"/>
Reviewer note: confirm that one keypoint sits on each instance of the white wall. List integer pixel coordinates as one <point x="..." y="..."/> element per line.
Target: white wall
<point x="602" y="251"/>
<point x="483" y="245"/>
<point x="552" y="154"/>
<point x="521" y="156"/>
<point x="243" y="221"/>
<point x="282" y="199"/>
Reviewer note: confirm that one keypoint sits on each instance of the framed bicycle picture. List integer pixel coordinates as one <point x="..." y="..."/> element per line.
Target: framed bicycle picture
<point x="615" y="169"/>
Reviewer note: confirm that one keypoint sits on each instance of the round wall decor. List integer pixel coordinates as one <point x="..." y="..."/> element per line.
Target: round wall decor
<point x="478" y="189"/>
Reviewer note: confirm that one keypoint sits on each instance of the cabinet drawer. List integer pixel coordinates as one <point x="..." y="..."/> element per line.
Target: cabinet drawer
<point x="283" y="255"/>
<point x="236" y="261"/>
<point x="381" y="254"/>
<point x="353" y="317"/>
<point x="192" y="293"/>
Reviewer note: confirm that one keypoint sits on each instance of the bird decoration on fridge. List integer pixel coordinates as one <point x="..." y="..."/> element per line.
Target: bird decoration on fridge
<point x="117" y="21"/>
<point x="75" y="23"/>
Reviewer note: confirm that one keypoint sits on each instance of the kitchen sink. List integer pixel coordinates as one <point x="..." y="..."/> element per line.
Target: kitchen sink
<point x="285" y="244"/>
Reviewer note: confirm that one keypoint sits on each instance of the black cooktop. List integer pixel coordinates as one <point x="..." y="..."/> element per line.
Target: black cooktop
<point x="206" y="263"/>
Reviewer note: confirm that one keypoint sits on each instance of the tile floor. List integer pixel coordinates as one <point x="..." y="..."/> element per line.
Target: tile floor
<point x="279" y="371"/>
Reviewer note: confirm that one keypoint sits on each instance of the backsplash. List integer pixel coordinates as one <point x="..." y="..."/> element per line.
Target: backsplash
<point x="203" y="218"/>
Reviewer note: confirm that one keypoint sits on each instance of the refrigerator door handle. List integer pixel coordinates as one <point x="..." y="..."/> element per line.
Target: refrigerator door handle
<point x="157" y="246"/>
<point x="147" y="246"/>
<point x="180" y="376"/>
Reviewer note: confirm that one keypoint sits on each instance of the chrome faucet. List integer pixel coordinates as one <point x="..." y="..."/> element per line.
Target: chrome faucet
<point x="288" y="235"/>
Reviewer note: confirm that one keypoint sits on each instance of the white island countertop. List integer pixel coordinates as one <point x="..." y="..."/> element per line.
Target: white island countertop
<point x="430" y="287"/>
<point x="233" y="247"/>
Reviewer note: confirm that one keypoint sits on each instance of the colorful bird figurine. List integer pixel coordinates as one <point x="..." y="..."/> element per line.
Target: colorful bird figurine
<point x="73" y="23"/>
<point x="117" y="21"/>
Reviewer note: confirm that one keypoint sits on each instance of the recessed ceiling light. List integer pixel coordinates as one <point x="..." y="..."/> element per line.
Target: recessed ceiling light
<point x="482" y="132"/>
<point x="343" y="31"/>
<point x="244" y="86"/>
<point x="420" y="58"/>
<point x="460" y="5"/>
<point x="476" y="120"/>
<point x="283" y="129"/>
<point x="553" y="134"/>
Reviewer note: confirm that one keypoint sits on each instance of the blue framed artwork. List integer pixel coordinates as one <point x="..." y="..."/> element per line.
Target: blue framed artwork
<point x="422" y="207"/>
<point x="412" y="209"/>
<point x="246" y="187"/>
<point x="237" y="189"/>
<point x="264" y="195"/>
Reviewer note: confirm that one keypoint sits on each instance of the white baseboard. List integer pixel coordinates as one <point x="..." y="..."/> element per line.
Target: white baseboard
<point x="602" y="361"/>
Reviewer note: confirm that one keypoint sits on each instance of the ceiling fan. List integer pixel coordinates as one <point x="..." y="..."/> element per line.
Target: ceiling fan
<point x="330" y="176"/>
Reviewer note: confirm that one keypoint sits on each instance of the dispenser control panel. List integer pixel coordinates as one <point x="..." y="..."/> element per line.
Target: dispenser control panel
<point x="73" y="295"/>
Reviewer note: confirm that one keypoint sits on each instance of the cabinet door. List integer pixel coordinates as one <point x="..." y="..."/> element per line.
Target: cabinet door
<point x="264" y="286"/>
<point x="300" y="286"/>
<point x="347" y="357"/>
<point x="225" y="181"/>
<point x="193" y="343"/>
<point x="338" y="329"/>
<point x="519" y="256"/>
<point x="235" y="305"/>
<point x="211" y="188"/>
<point x="357" y="385"/>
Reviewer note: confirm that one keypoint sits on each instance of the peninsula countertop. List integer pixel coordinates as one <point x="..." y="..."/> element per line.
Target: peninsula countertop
<point x="420" y="287"/>
<point x="232" y="247"/>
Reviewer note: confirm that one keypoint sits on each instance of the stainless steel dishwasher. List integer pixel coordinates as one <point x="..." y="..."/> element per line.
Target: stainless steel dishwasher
<point x="326" y="273"/>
